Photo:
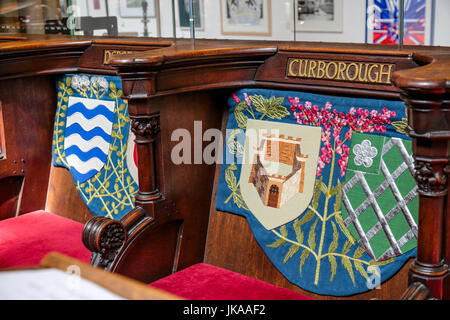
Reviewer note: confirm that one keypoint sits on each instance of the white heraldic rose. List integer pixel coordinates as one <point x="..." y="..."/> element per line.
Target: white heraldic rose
<point x="364" y="153"/>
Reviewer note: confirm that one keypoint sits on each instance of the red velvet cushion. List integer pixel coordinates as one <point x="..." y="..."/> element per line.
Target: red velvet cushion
<point x="26" y="239"/>
<point x="207" y="282"/>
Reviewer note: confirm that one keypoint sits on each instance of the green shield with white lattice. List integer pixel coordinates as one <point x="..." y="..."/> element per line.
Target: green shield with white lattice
<point x="380" y="202"/>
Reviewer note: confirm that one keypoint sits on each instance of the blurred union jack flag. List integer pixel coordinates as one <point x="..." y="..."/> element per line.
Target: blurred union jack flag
<point x="386" y="21"/>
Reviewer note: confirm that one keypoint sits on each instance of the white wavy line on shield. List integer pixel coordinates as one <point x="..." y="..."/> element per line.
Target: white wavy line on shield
<point x="92" y="103"/>
<point x="86" y="145"/>
<point x="84" y="167"/>
<point x="88" y="124"/>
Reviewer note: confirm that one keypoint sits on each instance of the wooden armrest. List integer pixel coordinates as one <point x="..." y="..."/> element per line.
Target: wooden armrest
<point x="104" y="237"/>
<point x="416" y="291"/>
<point x="127" y="246"/>
<point x="118" y="284"/>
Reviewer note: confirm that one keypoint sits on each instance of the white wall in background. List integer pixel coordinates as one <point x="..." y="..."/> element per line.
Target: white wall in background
<point x="442" y="23"/>
<point x="353" y="29"/>
<point x="282" y="23"/>
<point x="132" y="26"/>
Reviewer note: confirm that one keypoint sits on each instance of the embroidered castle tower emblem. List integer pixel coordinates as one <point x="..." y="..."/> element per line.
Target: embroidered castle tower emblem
<point x="278" y="172"/>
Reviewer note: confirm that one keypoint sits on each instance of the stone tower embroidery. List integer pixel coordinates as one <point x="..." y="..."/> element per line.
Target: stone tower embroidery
<point x="278" y="171"/>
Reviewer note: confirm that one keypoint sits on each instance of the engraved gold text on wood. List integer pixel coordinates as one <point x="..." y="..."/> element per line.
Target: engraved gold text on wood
<point x="365" y="72"/>
<point x="107" y="54"/>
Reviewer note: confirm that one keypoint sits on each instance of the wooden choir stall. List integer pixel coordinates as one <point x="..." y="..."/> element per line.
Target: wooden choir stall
<point x="189" y="225"/>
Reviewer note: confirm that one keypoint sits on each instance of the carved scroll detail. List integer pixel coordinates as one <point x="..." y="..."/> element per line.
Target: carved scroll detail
<point x="104" y="237"/>
<point x="111" y="240"/>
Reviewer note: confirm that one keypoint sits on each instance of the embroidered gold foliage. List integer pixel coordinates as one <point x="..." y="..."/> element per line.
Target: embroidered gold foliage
<point x="270" y="108"/>
<point x="234" y="186"/>
<point x="241" y="119"/>
<point x="281" y="241"/>
<point x="234" y="147"/>
<point x="401" y="125"/>
<point x="331" y="249"/>
<point x="58" y="132"/>
<point x="112" y="186"/>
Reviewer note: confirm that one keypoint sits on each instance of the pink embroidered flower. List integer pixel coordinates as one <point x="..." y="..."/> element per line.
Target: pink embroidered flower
<point x="348" y="135"/>
<point x="325" y="136"/>
<point x="235" y="97"/>
<point x="332" y="123"/>
<point x="247" y="99"/>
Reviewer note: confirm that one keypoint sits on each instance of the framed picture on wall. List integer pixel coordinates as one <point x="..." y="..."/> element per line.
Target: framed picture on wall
<point x="245" y="17"/>
<point x="318" y="15"/>
<point x="134" y="8"/>
<point x="183" y="11"/>
<point x="96" y="8"/>
<point x="383" y="21"/>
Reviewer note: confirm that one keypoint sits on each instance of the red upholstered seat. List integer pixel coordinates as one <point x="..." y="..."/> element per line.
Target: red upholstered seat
<point x="26" y="239"/>
<point x="203" y="281"/>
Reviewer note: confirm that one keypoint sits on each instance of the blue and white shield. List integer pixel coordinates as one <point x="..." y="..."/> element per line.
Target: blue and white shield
<point x="88" y="135"/>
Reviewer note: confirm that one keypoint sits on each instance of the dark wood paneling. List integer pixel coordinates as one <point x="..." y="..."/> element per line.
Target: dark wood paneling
<point x="425" y="91"/>
<point x="25" y="59"/>
<point x="153" y="255"/>
<point x="172" y="193"/>
<point x="188" y="185"/>
<point x="10" y="188"/>
<point x="28" y="107"/>
<point x="2" y="134"/>
<point x="63" y="198"/>
<point x="275" y="68"/>
<point x="93" y="59"/>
